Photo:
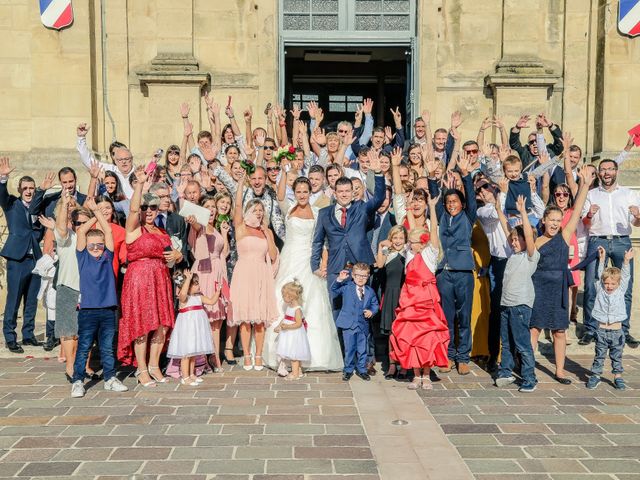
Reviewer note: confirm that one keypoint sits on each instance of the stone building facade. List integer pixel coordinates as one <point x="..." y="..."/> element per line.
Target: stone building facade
<point x="142" y="58"/>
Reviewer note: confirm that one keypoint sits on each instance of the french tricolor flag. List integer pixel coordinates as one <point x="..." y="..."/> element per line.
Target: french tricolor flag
<point x="629" y="17"/>
<point x="56" y="13"/>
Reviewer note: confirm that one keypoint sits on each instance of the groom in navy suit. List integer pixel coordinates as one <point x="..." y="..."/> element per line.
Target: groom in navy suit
<point x="344" y="227"/>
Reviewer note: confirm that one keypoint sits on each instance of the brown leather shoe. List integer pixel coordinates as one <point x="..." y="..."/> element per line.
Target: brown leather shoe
<point x="463" y="369"/>
<point x="448" y="368"/>
<point x="371" y="369"/>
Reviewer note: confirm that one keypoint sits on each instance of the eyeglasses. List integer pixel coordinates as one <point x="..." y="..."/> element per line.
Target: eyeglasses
<point x="269" y="147"/>
<point x="473" y="150"/>
<point x="561" y="194"/>
<point x="360" y="275"/>
<point x="273" y="169"/>
<point x="343" y="131"/>
<point x="607" y="169"/>
<point x="78" y="223"/>
<point x="144" y="208"/>
<point x="95" y="246"/>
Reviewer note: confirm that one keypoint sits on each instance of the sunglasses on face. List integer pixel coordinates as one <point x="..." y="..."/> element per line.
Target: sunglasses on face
<point x="95" y="246"/>
<point x="77" y="223"/>
<point x="273" y="169"/>
<point x="144" y="208"/>
<point x="473" y="150"/>
<point x="532" y="142"/>
<point x="343" y="131"/>
<point x="561" y="194"/>
<point x="483" y="187"/>
<point x="269" y="147"/>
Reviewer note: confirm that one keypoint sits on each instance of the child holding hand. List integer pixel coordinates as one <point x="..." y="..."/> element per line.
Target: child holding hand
<point x="293" y="343"/>
<point x="609" y="310"/>
<point x="191" y="335"/>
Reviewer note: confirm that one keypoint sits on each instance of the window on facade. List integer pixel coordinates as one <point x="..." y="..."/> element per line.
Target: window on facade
<point x="301" y="100"/>
<point x="311" y="14"/>
<point x="344" y="103"/>
<point x="382" y="15"/>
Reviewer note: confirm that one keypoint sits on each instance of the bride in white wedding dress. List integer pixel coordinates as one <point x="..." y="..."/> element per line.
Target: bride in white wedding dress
<point x="295" y="263"/>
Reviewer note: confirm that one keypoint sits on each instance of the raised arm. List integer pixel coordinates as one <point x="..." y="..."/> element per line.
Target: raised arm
<point x="379" y="191"/>
<point x="434" y="237"/>
<point x="521" y="206"/>
<point x="514" y="137"/>
<point x="62" y="215"/>
<point x="104" y="225"/>
<point x="133" y="219"/>
<point x="471" y="206"/>
<point x="572" y="224"/>
<point x="486" y="123"/>
<point x="237" y="211"/>
<point x="504" y="223"/>
<point x="187" y="136"/>
<point x="504" y="136"/>
<point x="81" y="234"/>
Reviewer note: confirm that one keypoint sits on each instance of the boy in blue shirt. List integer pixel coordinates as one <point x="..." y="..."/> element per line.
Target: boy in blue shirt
<point x="359" y="304"/>
<point x="98" y="301"/>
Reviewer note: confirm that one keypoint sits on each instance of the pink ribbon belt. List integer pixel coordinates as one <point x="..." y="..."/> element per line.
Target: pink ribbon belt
<point x="190" y="309"/>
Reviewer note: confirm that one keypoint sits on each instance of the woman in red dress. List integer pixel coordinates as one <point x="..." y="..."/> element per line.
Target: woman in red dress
<point x="147" y="299"/>
<point x="420" y="334"/>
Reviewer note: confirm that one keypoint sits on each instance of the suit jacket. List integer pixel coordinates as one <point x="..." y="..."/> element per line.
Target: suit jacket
<point x="25" y="232"/>
<point x="554" y="148"/>
<point x="388" y="221"/>
<point x="352" y="312"/>
<point x="348" y="243"/>
<point x="175" y="226"/>
<point x="46" y="206"/>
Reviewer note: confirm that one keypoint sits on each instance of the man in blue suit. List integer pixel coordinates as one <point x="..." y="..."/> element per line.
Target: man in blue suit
<point x="344" y="227"/>
<point x="21" y="251"/>
<point x="359" y="304"/>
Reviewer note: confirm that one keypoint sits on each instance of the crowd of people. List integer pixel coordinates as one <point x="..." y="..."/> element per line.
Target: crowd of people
<point x="325" y="250"/>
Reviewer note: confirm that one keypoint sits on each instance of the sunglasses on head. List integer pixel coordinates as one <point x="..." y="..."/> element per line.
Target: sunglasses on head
<point x="269" y="147"/>
<point x="95" y="246"/>
<point x="562" y="194"/>
<point x="144" y="208"/>
<point x="77" y="223"/>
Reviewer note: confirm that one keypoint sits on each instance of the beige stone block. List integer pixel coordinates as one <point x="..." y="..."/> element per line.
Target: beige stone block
<point x="6" y="17"/>
<point x="75" y="101"/>
<point x="19" y="16"/>
<point x="16" y="45"/>
<point x="15" y="104"/>
<point x="15" y="136"/>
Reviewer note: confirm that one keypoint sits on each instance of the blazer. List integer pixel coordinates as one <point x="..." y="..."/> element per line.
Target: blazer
<point x="175" y="226"/>
<point x="352" y="312"/>
<point x="455" y="231"/>
<point x="348" y="243"/>
<point x="387" y="223"/>
<point x="25" y="232"/>
<point x="554" y="148"/>
<point x="41" y="205"/>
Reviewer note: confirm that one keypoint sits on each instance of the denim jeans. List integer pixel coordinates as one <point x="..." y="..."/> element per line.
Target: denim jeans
<point x="456" y="293"/>
<point x="496" y="275"/>
<point x="92" y="321"/>
<point x="612" y="341"/>
<point x="516" y="336"/>
<point x="615" y="248"/>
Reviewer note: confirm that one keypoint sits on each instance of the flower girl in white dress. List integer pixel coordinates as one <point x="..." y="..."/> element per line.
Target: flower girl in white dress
<point x="191" y="335"/>
<point x="293" y="343"/>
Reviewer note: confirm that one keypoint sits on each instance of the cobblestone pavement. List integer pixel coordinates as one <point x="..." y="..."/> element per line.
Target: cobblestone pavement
<point x="557" y="432"/>
<point x="236" y="425"/>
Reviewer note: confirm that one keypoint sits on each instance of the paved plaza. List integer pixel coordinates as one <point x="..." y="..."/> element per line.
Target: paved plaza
<point x="253" y="425"/>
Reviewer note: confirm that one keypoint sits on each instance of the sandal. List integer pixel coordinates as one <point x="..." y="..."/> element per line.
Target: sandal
<point x="162" y="379"/>
<point x="150" y="384"/>
<point x="245" y="366"/>
<point x="415" y="383"/>
<point x="233" y="361"/>
<point x="426" y="384"/>
<point x="391" y="372"/>
<point x="188" y="381"/>
<point x="196" y="379"/>
<point x="258" y="367"/>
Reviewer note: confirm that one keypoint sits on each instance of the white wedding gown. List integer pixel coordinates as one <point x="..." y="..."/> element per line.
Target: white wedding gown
<point x="295" y="262"/>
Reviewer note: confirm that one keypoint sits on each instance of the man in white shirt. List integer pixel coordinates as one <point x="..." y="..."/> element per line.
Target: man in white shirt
<point x="609" y="213"/>
<point x="121" y="157"/>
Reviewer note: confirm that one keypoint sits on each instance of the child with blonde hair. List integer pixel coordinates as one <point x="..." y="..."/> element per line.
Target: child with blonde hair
<point x="293" y="344"/>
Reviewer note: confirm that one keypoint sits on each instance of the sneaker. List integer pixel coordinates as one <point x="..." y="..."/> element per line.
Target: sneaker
<point x="586" y="339"/>
<point x="115" y="385"/>
<point x="593" y="382"/>
<point x="504" y="381"/>
<point x="77" y="389"/>
<point x="629" y="340"/>
<point x="527" y="388"/>
<point x="619" y="383"/>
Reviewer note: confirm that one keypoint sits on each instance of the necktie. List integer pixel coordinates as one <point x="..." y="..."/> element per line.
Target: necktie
<point x="160" y="221"/>
<point x="360" y="293"/>
<point x="376" y="233"/>
<point x="377" y="221"/>
<point x="343" y="220"/>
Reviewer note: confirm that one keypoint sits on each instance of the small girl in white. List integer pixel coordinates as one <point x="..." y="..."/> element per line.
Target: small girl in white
<point x="293" y="344"/>
<point x="191" y="334"/>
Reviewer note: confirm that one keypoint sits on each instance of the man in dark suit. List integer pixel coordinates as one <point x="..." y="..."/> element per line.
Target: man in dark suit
<point x="344" y="226"/>
<point x="46" y="204"/>
<point x="173" y="223"/>
<point x="21" y="251"/>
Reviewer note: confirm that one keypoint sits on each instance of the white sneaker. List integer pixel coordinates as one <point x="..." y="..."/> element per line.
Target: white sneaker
<point x="77" y="389"/>
<point x="115" y="385"/>
<point x="504" y="381"/>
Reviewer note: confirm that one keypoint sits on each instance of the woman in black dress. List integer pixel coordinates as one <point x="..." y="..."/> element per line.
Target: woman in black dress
<point x="553" y="279"/>
<point x="390" y="262"/>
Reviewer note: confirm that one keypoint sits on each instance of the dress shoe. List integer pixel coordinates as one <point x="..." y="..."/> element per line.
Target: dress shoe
<point x="31" y="341"/>
<point x="346" y="376"/>
<point x="562" y="380"/>
<point x="631" y="342"/>
<point x="51" y="344"/>
<point x="371" y="369"/>
<point x="586" y="339"/>
<point x="463" y="369"/>
<point x="14" y="347"/>
<point x="448" y="368"/>
<point x="364" y="376"/>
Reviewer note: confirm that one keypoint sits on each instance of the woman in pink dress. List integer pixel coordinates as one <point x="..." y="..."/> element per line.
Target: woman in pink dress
<point x="147" y="298"/>
<point x="252" y="287"/>
<point x="210" y="248"/>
